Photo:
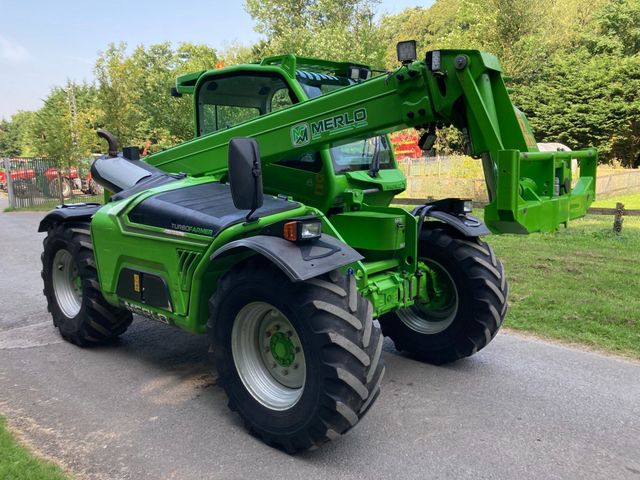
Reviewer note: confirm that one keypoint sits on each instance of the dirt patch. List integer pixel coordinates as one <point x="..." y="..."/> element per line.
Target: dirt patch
<point x="183" y="383"/>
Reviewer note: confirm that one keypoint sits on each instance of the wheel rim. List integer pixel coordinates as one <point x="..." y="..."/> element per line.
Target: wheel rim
<point x="438" y="314"/>
<point x="268" y="355"/>
<point x="67" y="285"/>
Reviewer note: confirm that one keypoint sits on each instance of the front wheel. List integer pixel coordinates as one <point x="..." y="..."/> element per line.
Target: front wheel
<point x="300" y="362"/>
<point x="72" y="288"/>
<point x="467" y="300"/>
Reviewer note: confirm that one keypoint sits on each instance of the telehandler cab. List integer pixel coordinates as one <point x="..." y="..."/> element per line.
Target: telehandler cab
<point x="272" y="231"/>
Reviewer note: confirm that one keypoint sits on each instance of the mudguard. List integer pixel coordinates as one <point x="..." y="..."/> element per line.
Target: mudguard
<point x="449" y="211"/>
<point x="64" y="213"/>
<point x="468" y="225"/>
<point x="299" y="261"/>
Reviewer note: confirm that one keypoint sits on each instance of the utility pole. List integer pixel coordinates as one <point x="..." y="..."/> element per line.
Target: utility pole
<point x="73" y="113"/>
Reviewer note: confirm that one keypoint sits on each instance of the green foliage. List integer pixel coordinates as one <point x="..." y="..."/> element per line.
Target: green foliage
<point x="573" y="68"/>
<point x="10" y="144"/>
<point x="331" y="29"/>
<point x="64" y="127"/>
<point x="590" y="94"/>
<point x="133" y="92"/>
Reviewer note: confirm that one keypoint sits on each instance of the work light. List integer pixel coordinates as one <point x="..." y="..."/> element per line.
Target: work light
<point x="406" y="51"/>
<point x="357" y="73"/>
<point x="302" y="230"/>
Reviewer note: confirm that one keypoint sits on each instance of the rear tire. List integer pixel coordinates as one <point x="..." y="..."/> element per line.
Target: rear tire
<point x="58" y="185"/>
<point x="333" y="338"/>
<point x="95" y="188"/>
<point x="464" y="324"/>
<point x="23" y="188"/>
<point x="72" y="288"/>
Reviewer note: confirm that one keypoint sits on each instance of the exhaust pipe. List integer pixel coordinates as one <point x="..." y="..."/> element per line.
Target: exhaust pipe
<point x="111" y="140"/>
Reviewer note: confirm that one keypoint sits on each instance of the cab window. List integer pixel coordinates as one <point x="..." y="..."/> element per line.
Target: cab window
<point x="226" y="101"/>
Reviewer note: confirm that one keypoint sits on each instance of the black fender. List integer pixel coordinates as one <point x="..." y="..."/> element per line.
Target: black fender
<point x="451" y="212"/>
<point x="468" y="225"/>
<point x="299" y="261"/>
<point x="65" y="213"/>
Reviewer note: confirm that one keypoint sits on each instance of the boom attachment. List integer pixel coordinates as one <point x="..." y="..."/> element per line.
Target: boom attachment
<point x="528" y="190"/>
<point x="535" y="191"/>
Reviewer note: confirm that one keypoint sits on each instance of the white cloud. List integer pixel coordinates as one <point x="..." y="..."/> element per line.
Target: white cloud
<point x="12" y="51"/>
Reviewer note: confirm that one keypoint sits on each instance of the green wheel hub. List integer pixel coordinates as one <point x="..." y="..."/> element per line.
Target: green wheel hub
<point x="282" y="349"/>
<point x="440" y="288"/>
<point x="438" y="306"/>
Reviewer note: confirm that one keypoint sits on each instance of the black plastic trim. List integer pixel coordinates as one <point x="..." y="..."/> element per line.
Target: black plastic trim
<point x="65" y="213"/>
<point x="468" y="225"/>
<point x="451" y="212"/>
<point x="298" y="261"/>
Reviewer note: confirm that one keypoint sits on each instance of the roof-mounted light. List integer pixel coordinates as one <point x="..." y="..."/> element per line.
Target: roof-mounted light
<point x="357" y="73"/>
<point x="406" y="51"/>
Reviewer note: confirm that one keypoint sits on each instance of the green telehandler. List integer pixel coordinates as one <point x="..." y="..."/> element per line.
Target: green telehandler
<point x="271" y="231"/>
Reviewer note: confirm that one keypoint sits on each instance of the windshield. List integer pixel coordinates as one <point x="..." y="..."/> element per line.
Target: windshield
<point x="358" y="155"/>
<point x="227" y="100"/>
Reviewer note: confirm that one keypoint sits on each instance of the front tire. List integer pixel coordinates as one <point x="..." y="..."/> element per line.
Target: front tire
<point x="72" y="288"/>
<point x="465" y="317"/>
<point x="300" y="362"/>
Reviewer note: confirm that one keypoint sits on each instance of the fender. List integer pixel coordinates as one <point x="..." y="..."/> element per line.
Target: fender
<point x="65" y="213"/>
<point x="299" y="261"/>
<point x="451" y="212"/>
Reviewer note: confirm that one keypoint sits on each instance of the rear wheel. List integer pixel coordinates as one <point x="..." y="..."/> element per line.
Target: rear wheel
<point x="95" y="188"/>
<point x="22" y="188"/>
<point x="300" y="362"/>
<point x="72" y="289"/>
<point x="467" y="292"/>
<point x="60" y="185"/>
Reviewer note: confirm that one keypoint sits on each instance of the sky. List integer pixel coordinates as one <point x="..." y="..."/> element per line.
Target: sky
<point x="44" y="43"/>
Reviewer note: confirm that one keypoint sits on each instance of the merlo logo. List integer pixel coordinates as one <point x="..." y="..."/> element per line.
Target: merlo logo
<point x="300" y="134"/>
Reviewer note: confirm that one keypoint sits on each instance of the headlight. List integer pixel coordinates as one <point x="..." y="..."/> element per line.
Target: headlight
<point x="302" y="230"/>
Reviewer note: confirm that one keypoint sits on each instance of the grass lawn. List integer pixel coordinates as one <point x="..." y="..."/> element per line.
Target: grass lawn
<point x="581" y="284"/>
<point x="630" y="202"/>
<point x="16" y="463"/>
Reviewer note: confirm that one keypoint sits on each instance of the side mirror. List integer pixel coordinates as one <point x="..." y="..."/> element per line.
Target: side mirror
<point x="245" y="174"/>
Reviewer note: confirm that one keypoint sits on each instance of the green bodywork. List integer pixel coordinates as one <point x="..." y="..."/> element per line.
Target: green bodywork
<point x="466" y="91"/>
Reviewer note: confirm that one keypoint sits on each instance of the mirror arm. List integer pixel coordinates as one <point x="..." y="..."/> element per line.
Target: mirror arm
<point x="256" y="174"/>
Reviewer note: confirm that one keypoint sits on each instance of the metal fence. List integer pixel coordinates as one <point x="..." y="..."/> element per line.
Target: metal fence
<point x="459" y="176"/>
<point x="42" y="182"/>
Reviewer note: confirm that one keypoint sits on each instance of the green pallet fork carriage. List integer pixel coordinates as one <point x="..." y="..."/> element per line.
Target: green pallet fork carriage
<point x="272" y="231"/>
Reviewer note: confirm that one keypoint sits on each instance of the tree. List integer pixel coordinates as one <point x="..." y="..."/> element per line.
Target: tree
<point x="133" y="92"/>
<point x="64" y="128"/>
<point x="330" y="29"/>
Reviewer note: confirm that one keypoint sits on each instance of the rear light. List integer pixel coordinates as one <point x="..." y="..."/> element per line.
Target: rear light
<point x="302" y="230"/>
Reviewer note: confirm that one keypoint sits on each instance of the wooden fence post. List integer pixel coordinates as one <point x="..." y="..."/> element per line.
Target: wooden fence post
<point x="617" y="219"/>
